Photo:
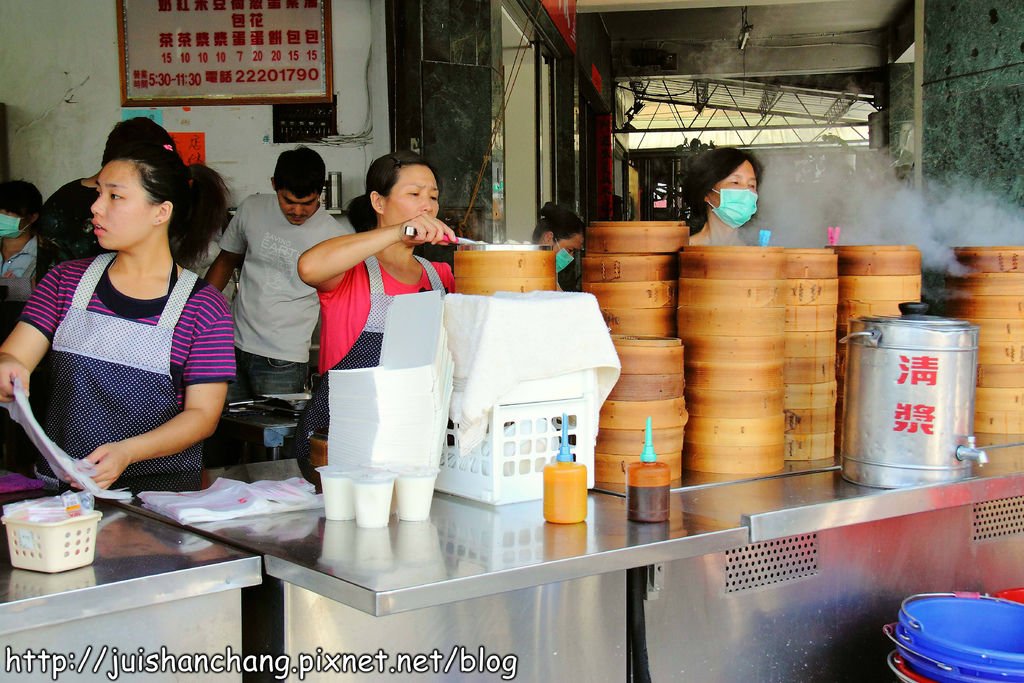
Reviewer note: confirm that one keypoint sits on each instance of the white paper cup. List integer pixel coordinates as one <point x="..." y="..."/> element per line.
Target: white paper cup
<point x="373" y="490"/>
<point x="415" y="489"/>
<point x="339" y="503"/>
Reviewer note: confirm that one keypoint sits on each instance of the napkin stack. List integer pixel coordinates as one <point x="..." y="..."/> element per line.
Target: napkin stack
<point x="396" y="413"/>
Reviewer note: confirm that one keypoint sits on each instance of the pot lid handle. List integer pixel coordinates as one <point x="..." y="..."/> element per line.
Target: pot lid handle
<point x="913" y="309"/>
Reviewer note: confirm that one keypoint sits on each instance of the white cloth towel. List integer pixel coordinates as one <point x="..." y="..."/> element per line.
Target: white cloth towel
<point x="502" y="340"/>
<point x="230" y="499"/>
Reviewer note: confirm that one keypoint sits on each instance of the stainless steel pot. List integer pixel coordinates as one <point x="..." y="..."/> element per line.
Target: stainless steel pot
<point x="909" y="398"/>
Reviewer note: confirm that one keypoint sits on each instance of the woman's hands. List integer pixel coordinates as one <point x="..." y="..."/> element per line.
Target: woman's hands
<point x="427" y="229"/>
<point x="109" y="461"/>
<point x="10" y="369"/>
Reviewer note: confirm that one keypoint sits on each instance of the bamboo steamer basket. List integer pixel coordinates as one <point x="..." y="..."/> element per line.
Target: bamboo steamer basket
<point x="739" y="293"/>
<point x="1000" y="376"/>
<point x="880" y="287"/>
<point x="991" y="259"/>
<point x="1001" y="306"/>
<point x="1001" y="353"/>
<point x="811" y="396"/>
<point x="988" y="284"/>
<point x="652" y="294"/>
<point x="808" y="292"/>
<point x="733" y="349"/>
<point x="851" y="308"/>
<point x="484" y="269"/>
<point x="737" y="404"/>
<point x="649" y="355"/>
<point x="736" y="431"/>
<point x="815" y="344"/>
<point x="810" y="319"/>
<point x="999" y="422"/>
<point x="995" y="400"/>
<point x="999" y="330"/>
<point x="610" y="468"/>
<point x="878" y="259"/>
<point x="647" y="387"/>
<point x="653" y="322"/>
<point x="702" y="321"/>
<point x="669" y="412"/>
<point x="811" y="264"/>
<point x="724" y="263"/>
<point x="761" y="376"/>
<point x="630" y="267"/>
<point x="733" y="459"/>
<point x="810" y="420"/>
<point x="808" y="370"/>
<point x="810" y="446"/>
<point x="647" y="237"/>
<point x="487" y="286"/>
<point x="666" y="440"/>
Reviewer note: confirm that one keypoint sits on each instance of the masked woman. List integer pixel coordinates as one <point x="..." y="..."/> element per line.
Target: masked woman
<point x="357" y="276"/>
<point x="142" y="350"/>
<point x="563" y="230"/>
<point x="721" y="191"/>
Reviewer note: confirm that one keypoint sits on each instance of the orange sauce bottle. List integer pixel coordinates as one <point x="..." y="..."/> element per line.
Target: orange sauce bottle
<point x="565" y="486"/>
<point x="647" y="485"/>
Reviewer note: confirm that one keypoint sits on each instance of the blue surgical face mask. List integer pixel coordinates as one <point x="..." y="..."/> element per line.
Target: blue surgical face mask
<point x="562" y="260"/>
<point x="10" y="226"/>
<point x="735" y="206"/>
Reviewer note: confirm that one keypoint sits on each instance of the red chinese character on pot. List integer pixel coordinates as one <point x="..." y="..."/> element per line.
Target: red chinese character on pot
<point x="919" y="370"/>
<point x="911" y="418"/>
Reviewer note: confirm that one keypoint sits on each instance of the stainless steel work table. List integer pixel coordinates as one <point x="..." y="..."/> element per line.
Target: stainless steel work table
<point x="150" y="585"/>
<point x="784" y="577"/>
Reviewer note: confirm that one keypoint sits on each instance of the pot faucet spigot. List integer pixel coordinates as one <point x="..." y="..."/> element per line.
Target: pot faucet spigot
<point x="970" y="452"/>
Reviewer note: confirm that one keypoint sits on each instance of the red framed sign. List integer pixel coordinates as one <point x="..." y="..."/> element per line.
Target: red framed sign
<point x="194" y="52"/>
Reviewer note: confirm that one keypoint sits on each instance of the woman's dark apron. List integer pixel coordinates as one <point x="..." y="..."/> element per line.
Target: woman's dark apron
<point x="111" y="378"/>
<point x="365" y="353"/>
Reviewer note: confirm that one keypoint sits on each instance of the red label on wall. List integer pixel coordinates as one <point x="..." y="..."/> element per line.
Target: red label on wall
<point x="595" y="77"/>
<point x="191" y="147"/>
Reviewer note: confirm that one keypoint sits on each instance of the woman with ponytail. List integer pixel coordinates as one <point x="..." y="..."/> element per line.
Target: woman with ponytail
<point x="142" y="350"/>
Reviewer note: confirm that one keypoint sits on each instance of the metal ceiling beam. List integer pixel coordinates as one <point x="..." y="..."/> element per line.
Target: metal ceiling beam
<point x="697" y="128"/>
<point x="584" y="6"/>
<point x="726" y="61"/>
<point x="748" y="110"/>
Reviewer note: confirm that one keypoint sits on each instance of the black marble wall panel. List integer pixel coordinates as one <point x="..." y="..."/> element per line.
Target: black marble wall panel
<point x="972" y="96"/>
<point x="457" y="129"/>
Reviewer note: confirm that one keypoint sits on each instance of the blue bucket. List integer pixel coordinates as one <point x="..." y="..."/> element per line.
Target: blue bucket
<point x="947" y="670"/>
<point x="979" y="635"/>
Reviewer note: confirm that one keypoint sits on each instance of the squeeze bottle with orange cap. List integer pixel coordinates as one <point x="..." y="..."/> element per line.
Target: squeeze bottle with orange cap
<point x="565" y="486"/>
<point x="647" y="485"/>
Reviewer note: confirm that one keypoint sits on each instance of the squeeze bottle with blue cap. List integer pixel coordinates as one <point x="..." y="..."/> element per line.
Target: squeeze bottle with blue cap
<point x="565" y="485"/>
<point x="647" y="485"/>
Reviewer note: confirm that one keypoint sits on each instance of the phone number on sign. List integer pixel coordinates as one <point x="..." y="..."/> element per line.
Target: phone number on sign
<point x="154" y="79"/>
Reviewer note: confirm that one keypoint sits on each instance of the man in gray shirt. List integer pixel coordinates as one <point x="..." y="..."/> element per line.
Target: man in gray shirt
<point x="274" y="311"/>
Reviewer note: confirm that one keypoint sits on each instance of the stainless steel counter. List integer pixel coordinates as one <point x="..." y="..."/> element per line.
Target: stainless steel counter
<point x="466" y="550"/>
<point x="151" y="588"/>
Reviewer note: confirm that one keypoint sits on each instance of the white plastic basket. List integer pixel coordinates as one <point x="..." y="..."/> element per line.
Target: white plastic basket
<point x="52" y="546"/>
<point x="523" y="436"/>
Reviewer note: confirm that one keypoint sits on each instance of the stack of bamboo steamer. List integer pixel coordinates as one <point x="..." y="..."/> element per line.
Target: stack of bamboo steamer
<point x="811" y="296"/>
<point x="873" y="280"/>
<point x="651" y="384"/>
<point x="630" y="267"/>
<point x="731" y="319"/>
<point x="991" y="296"/>
<point x="488" y="268"/>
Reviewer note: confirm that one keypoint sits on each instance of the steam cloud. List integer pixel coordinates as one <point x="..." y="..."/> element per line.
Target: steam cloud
<point x="874" y="207"/>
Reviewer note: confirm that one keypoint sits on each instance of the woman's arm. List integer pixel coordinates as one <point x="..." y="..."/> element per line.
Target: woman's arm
<point x="19" y="356"/>
<point x="323" y="265"/>
<point x="203" y="405"/>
